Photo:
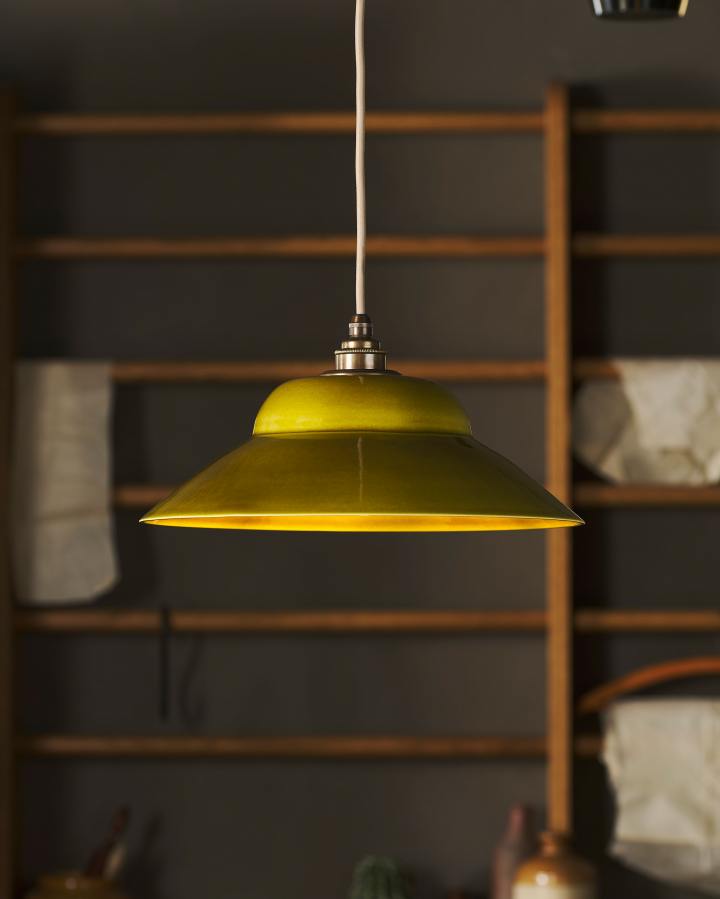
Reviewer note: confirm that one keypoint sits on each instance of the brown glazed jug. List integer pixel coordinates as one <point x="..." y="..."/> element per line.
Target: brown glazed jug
<point x="555" y="873"/>
<point x="73" y="885"/>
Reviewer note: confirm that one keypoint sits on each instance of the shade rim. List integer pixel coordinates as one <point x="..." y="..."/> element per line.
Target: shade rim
<point x="354" y="522"/>
<point x="355" y="481"/>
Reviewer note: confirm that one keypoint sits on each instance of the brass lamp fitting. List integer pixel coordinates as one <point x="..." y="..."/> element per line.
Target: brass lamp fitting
<point x="360" y="352"/>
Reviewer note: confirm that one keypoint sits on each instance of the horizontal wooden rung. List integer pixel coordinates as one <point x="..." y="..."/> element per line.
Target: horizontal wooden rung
<point x="344" y="621"/>
<point x="140" y="496"/>
<point x="339" y="747"/>
<point x="451" y="246"/>
<point x="295" y="246"/>
<point x="306" y="621"/>
<point x="640" y="621"/>
<point x="593" y="494"/>
<point x="269" y="371"/>
<point x="273" y="370"/>
<point x="589" y="246"/>
<point x="361" y="747"/>
<point x="583" y="121"/>
<point x="588" y="495"/>
<point x="269" y="122"/>
<point x="645" y="121"/>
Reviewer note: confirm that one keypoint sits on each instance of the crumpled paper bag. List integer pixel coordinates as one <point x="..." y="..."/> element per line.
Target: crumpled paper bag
<point x="659" y="423"/>
<point x="663" y="759"/>
<point x="62" y="540"/>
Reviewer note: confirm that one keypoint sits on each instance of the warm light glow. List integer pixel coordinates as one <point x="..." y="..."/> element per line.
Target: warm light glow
<point x="362" y="453"/>
<point x="366" y="523"/>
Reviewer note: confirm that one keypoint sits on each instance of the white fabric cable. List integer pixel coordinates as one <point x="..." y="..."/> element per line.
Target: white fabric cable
<point x="360" y="155"/>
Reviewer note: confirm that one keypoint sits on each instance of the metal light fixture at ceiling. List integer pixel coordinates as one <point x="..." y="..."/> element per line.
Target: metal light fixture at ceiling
<point x="362" y="448"/>
<point x="640" y="10"/>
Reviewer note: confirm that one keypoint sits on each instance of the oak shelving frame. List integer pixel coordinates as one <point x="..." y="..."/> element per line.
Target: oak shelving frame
<point x="557" y="246"/>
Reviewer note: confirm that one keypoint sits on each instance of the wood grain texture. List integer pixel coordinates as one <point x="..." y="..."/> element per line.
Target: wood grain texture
<point x="654" y="675"/>
<point x="584" y="369"/>
<point x="358" y="747"/>
<point x="320" y="122"/>
<point x="584" y="121"/>
<point x="271" y="371"/>
<point x="598" y="495"/>
<point x="389" y="246"/>
<point x="341" y="621"/>
<point x="645" y="121"/>
<point x="558" y="563"/>
<point x="644" y="621"/>
<point x="292" y="246"/>
<point x="293" y="747"/>
<point x="600" y="246"/>
<point x="140" y="496"/>
<point x="585" y="495"/>
<point x="280" y="370"/>
<point x="7" y="353"/>
<point x="286" y="622"/>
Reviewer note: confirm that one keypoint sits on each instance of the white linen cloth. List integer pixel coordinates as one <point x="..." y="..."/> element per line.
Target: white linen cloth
<point x="660" y="423"/>
<point x="63" y="546"/>
<point x="663" y="759"/>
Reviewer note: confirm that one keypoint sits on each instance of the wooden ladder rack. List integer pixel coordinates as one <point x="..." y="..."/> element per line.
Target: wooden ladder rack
<point x="556" y="247"/>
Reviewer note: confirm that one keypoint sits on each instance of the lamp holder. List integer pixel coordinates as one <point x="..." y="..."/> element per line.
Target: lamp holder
<point x="360" y="351"/>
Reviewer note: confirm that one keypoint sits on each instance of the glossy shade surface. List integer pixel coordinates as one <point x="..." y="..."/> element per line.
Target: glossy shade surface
<point x="640" y="9"/>
<point x="362" y="452"/>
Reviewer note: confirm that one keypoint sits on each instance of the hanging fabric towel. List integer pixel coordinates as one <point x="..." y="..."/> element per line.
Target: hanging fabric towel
<point x="663" y="758"/>
<point x="660" y="423"/>
<point x="63" y="548"/>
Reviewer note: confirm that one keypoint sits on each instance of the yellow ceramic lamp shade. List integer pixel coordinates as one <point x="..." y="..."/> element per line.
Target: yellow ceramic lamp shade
<point x="360" y="448"/>
<point x="362" y="451"/>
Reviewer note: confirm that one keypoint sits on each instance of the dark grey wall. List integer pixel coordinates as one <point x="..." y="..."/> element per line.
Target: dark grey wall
<point x="272" y="831"/>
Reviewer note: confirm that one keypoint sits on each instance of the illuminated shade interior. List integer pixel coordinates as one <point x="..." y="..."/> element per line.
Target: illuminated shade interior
<point x="362" y="452"/>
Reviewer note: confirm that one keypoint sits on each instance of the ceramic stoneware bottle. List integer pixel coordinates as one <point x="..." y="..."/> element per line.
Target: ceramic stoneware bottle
<point x="518" y="844"/>
<point x="74" y="886"/>
<point x="555" y="873"/>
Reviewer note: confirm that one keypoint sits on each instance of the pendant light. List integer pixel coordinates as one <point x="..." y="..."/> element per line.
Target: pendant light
<point x="639" y="10"/>
<point x="362" y="448"/>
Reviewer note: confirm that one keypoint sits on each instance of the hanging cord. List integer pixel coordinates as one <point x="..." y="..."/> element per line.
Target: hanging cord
<point x="360" y="155"/>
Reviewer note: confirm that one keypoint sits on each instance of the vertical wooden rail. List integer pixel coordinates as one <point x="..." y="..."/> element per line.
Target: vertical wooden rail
<point x="7" y="721"/>
<point x="557" y="424"/>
